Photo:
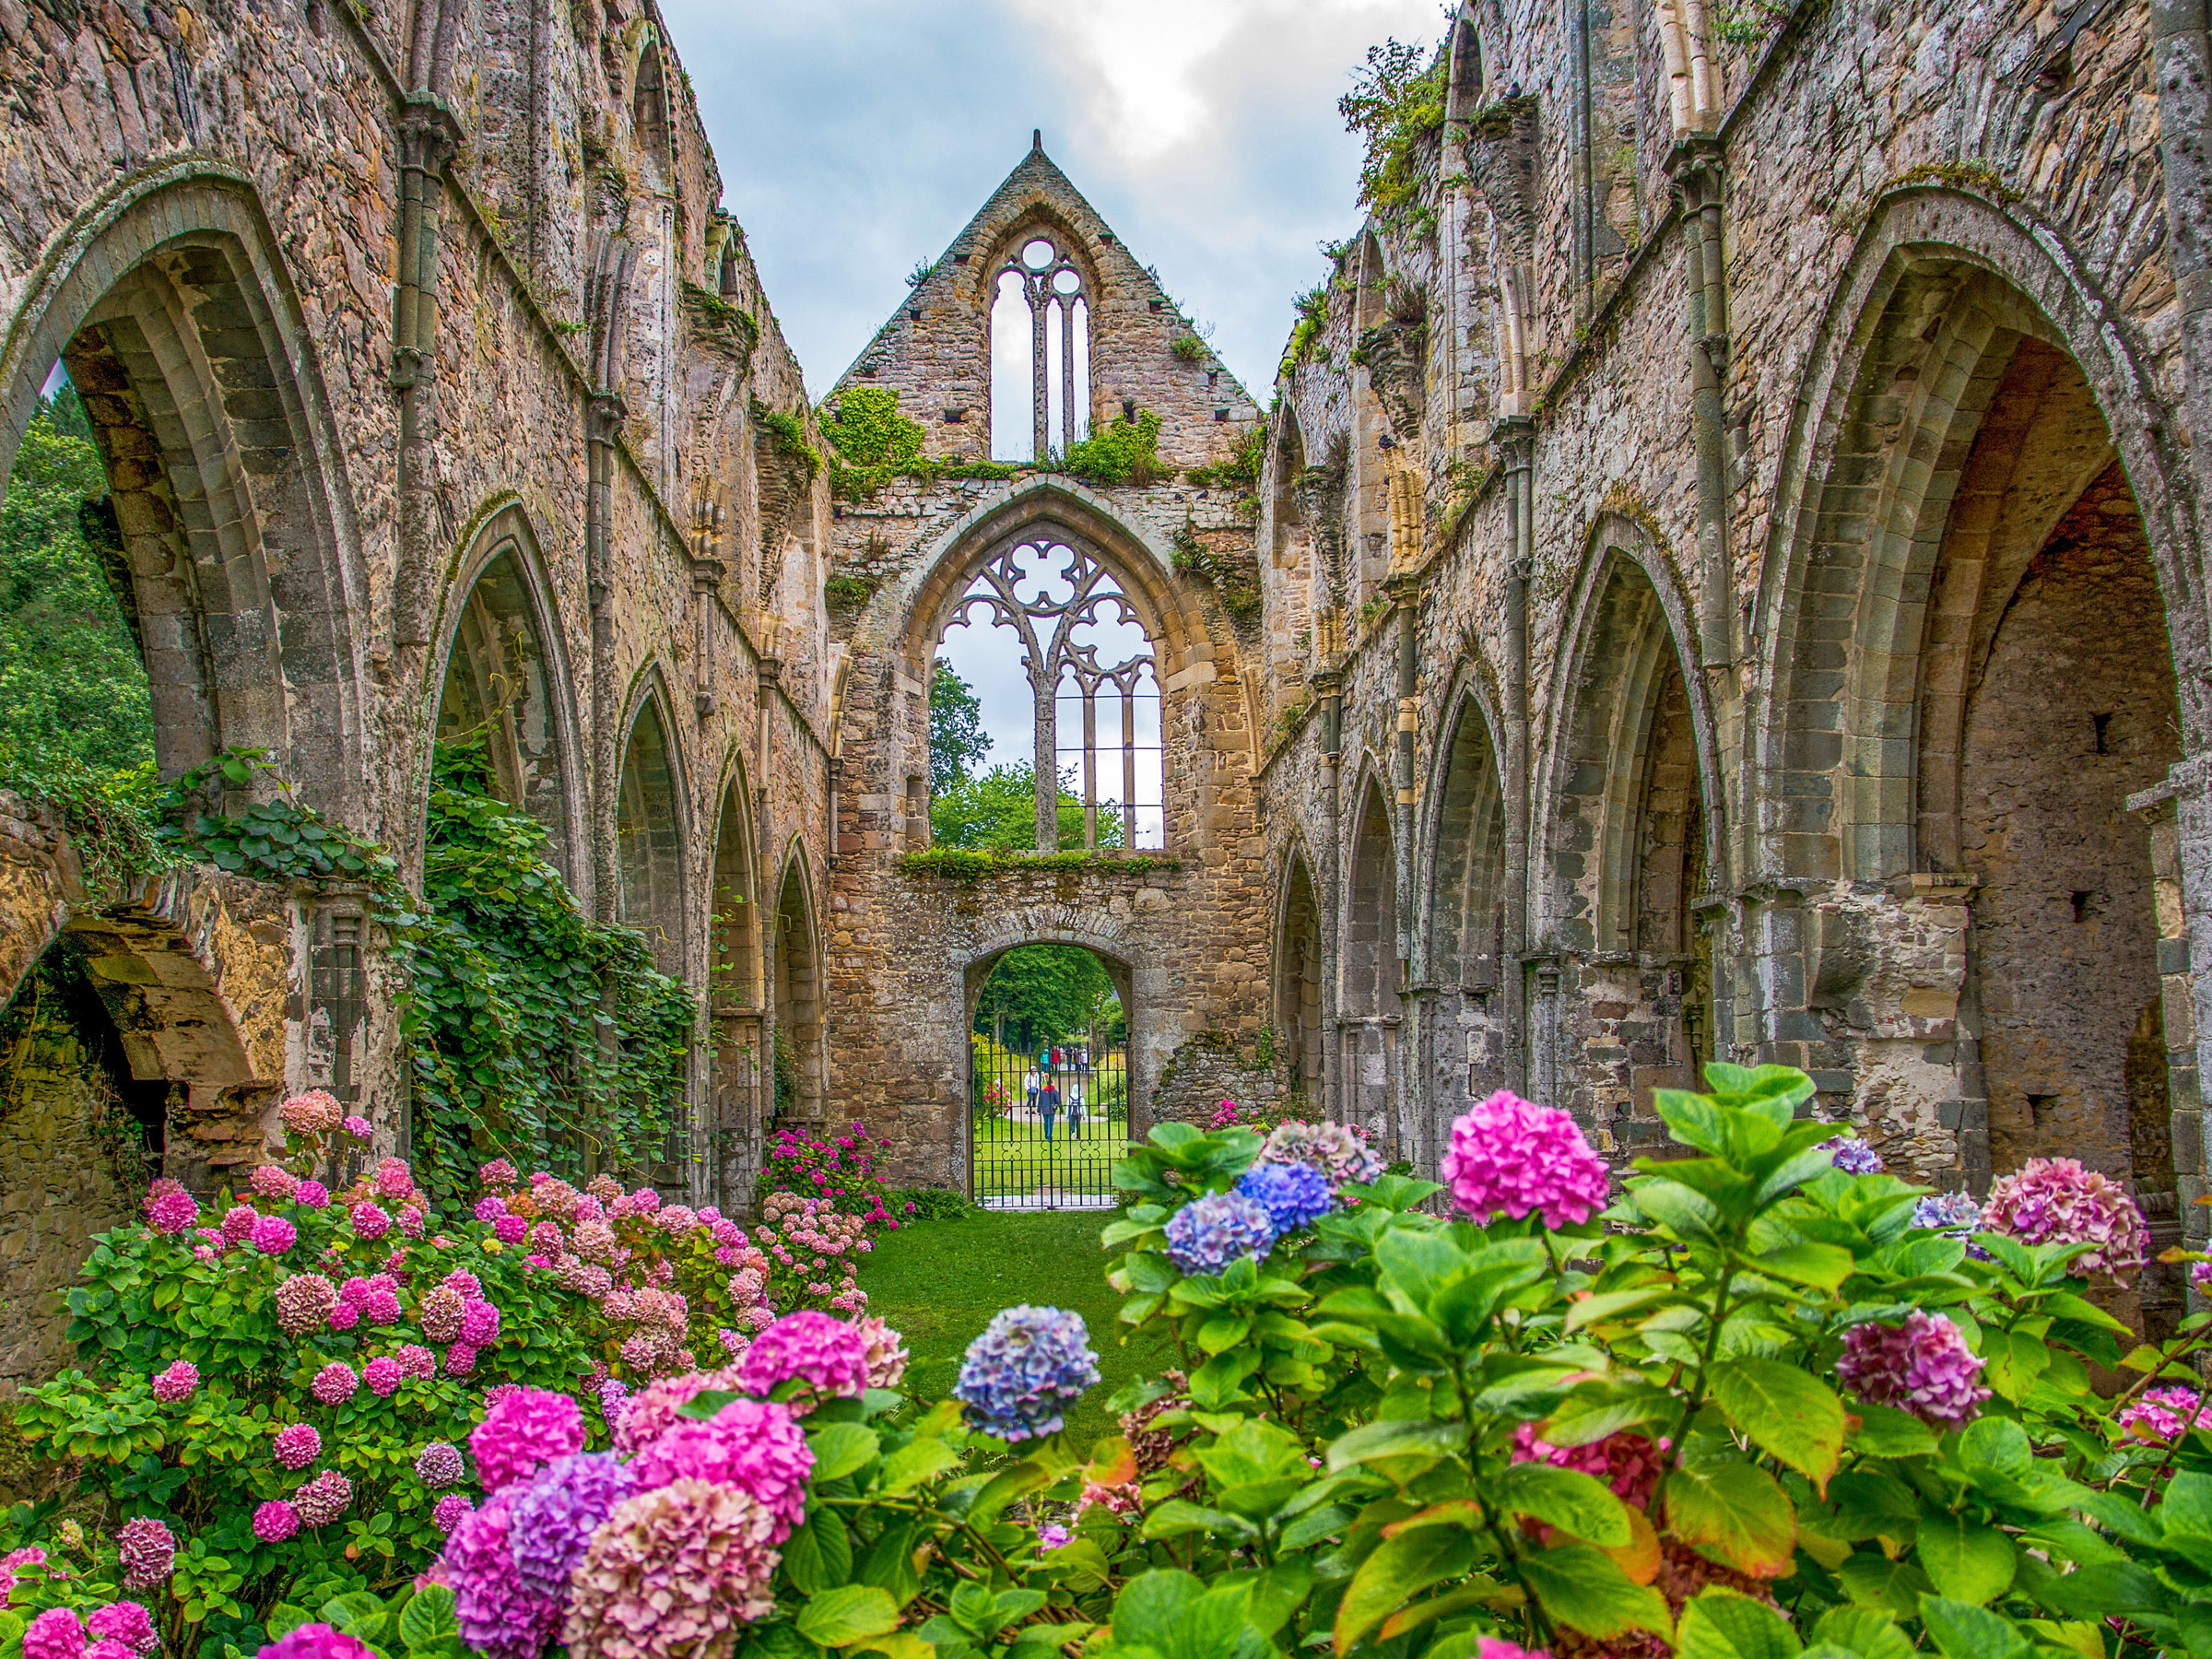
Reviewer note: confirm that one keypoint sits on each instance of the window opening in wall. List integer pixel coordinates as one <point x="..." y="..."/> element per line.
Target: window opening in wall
<point x="1040" y="354"/>
<point x="1045" y="714"/>
<point x="1048" y="1078"/>
<point x="649" y="115"/>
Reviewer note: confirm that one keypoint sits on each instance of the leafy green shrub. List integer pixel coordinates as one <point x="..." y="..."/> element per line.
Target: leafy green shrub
<point x="1189" y="348"/>
<point x="1123" y="452"/>
<point x="1239" y="468"/>
<point x="871" y="444"/>
<point x="931" y="1204"/>
<point x="1395" y="105"/>
<point x="790" y="434"/>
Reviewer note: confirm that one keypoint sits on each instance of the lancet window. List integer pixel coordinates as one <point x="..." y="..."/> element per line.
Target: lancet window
<point x="1040" y="353"/>
<point x="1093" y="686"/>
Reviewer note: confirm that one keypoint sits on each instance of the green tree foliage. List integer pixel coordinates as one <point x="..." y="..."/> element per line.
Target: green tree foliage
<point x="71" y="683"/>
<point x="996" y="812"/>
<point x="958" y="742"/>
<point x="1045" y="994"/>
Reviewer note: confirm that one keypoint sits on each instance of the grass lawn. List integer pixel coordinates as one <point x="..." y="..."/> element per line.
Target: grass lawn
<point x="939" y="1282"/>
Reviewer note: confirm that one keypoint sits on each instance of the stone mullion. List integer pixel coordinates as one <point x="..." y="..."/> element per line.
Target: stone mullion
<point x="1040" y="401"/>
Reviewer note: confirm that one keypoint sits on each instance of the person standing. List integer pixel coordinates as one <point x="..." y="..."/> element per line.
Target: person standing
<point x="1048" y="1103"/>
<point x="1028" y="1090"/>
<point x="1074" y="1109"/>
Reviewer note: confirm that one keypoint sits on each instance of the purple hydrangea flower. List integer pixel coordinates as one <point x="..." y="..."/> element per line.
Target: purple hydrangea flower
<point x="1208" y="1233"/>
<point x="1027" y="1368"/>
<point x="497" y="1615"/>
<point x="1923" y="1367"/>
<point x="1852" y="1156"/>
<point x="2162" y="1413"/>
<point x="557" y="1513"/>
<point x="447" y="1513"/>
<point x="1953" y="1213"/>
<point x="1295" y="1196"/>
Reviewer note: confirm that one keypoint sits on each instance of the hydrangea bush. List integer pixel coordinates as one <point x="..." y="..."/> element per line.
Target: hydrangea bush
<point x="1746" y="1404"/>
<point x="838" y="1170"/>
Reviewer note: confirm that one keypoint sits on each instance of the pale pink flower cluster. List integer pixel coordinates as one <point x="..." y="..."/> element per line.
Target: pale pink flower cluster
<point x="672" y="1572"/>
<point x="817" y="1245"/>
<point x="316" y="1112"/>
<point x="2057" y="1201"/>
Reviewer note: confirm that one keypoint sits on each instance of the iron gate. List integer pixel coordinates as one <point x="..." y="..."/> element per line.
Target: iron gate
<point x="1046" y="1127"/>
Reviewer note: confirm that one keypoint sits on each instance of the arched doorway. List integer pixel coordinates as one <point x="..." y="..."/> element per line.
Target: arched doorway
<point x="649" y="841"/>
<point x="1049" y="1079"/>
<point x="1374" y="978"/>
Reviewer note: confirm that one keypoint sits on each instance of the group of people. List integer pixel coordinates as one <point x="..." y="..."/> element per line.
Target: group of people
<point x="1042" y="1091"/>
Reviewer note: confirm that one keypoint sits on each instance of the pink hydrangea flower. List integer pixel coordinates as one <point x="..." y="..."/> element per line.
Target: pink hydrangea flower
<point x="148" y="1550"/>
<point x="172" y="1213"/>
<point x="311" y="1195"/>
<point x="1510" y="1156"/>
<point x="1923" y="1367"/>
<point x="124" y="1621"/>
<point x="298" y="1444"/>
<point x="334" y="1384"/>
<point x="479" y="1324"/>
<point x="489" y="1208"/>
<point x="511" y="1230"/>
<point x="357" y="1126"/>
<point x="2055" y="1201"/>
<point x="410" y="1221"/>
<point x="324" y="1499"/>
<point x="344" y="1317"/>
<point x="383" y="1376"/>
<point x="417" y="1362"/>
<point x="57" y="1633"/>
<point x="1627" y="1461"/>
<point x="460" y="1359"/>
<point x="275" y="1521"/>
<point x="829" y="1354"/>
<point x="176" y="1383"/>
<point x="464" y="1284"/>
<point x="382" y="1308"/>
<point x="450" y="1511"/>
<point x="2163" y="1413"/>
<point x="530" y="1426"/>
<point x="370" y="1221"/>
<point x="237" y="1223"/>
<point x="273" y="1235"/>
<point x="274" y="1181"/>
<point x="497" y="1174"/>
<point x="754" y="1445"/>
<point x="315" y="1113"/>
<point x="673" y="1570"/>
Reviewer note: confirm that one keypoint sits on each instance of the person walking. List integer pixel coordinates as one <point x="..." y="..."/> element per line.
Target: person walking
<point x="1074" y="1110"/>
<point x="1048" y="1103"/>
<point x="1029" y="1091"/>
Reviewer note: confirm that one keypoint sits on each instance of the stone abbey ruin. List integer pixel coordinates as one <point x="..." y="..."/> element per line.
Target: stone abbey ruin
<point x="1721" y="574"/>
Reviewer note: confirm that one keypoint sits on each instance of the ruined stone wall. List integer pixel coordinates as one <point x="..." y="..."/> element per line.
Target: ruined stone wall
<point x="325" y="410"/>
<point x="1803" y="480"/>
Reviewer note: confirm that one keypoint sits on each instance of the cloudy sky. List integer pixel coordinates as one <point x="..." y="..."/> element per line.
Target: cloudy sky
<point x="858" y="137"/>
<point x="855" y="137"/>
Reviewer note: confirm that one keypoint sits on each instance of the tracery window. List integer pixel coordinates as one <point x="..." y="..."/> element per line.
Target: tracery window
<point x="1040" y="353"/>
<point x="1062" y="628"/>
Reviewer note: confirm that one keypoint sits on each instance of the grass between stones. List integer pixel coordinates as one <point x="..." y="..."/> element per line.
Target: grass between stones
<point x="939" y="1283"/>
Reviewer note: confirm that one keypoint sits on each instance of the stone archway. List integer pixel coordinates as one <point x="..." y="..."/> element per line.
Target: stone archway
<point x="1371" y="974"/>
<point x="1464" y="926"/>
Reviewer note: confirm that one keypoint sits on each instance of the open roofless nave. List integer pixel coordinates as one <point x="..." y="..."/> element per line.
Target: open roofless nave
<point x="1721" y="573"/>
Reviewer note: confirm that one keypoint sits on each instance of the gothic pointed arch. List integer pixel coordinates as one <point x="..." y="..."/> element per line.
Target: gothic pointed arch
<point x="1371" y="970"/>
<point x="1464" y="929"/>
<point x="505" y="688"/>
<point x="1299" y="992"/>
<point x="737" y="1112"/>
<point x="167" y="302"/>
<point x="651" y="833"/>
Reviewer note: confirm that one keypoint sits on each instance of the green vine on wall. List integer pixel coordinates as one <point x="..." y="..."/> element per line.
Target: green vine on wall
<point x="1239" y="468"/>
<point x="1121" y="452"/>
<point x="1396" y="104"/>
<point x="109" y="827"/>
<point x="790" y="436"/>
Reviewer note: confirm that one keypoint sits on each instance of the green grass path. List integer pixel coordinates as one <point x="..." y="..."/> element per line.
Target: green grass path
<point x="939" y="1282"/>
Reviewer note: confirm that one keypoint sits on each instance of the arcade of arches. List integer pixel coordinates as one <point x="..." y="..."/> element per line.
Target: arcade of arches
<point x="1711" y="606"/>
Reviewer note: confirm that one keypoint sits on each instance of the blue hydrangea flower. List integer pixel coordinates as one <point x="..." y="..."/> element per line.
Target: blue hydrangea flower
<point x="1295" y="1196"/>
<point x="1852" y="1156"/>
<point x="1954" y="1213"/>
<point x="554" y="1520"/>
<point x="1206" y="1234"/>
<point x="1027" y="1368"/>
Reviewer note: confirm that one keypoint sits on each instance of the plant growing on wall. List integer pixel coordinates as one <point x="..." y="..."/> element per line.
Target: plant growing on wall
<point x="1395" y="106"/>
<point x="1121" y="452"/>
<point x="871" y="444"/>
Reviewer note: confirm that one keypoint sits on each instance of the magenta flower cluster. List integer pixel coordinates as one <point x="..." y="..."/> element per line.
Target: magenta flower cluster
<point x="1512" y="1156"/>
<point x="2161" y="1414"/>
<point x="530" y="1426"/>
<point x="826" y="1353"/>
<point x="1924" y="1367"/>
<point x="2057" y="1201"/>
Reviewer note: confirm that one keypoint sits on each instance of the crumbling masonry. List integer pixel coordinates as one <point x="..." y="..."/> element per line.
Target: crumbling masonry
<point x="1724" y="580"/>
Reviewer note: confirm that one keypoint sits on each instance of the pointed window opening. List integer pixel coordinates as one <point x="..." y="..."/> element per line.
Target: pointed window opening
<point x="1067" y="665"/>
<point x="1040" y="354"/>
